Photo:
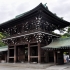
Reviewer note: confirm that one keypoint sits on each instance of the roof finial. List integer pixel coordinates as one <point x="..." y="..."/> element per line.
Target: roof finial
<point x="45" y="5"/>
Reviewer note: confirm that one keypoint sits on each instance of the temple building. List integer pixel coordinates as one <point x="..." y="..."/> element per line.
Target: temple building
<point x="59" y="46"/>
<point x="3" y="54"/>
<point x="29" y="32"/>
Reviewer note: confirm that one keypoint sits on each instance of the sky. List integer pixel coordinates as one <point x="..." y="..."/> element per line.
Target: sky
<point x="11" y="8"/>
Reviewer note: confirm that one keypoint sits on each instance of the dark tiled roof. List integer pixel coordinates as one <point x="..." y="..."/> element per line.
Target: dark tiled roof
<point x="18" y="18"/>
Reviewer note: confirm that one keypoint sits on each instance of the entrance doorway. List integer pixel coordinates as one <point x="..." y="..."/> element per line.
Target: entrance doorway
<point x="34" y="52"/>
<point x="22" y="53"/>
<point x="51" y="56"/>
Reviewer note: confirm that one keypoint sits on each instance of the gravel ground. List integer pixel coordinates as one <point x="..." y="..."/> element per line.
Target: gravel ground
<point x="23" y="66"/>
<point x="26" y="66"/>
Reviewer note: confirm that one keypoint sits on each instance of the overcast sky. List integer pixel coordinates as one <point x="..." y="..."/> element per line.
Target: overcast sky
<point x="10" y="8"/>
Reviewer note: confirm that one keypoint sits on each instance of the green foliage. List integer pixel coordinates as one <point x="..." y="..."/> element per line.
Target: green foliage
<point x="62" y="30"/>
<point x="2" y="44"/>
<point x="63" y="36"/>
<point x="64" y="52"/>
<point x="2" y="35"/>
<point x="67" y="32"/>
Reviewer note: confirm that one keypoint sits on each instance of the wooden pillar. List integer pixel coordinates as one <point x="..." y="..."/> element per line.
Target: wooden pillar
<point x="39" y="53"/>
<point x="60" y="59"/>
<point x="23" y="51"/>
<point x="5" y="57"/>
<point x="46" y="55"/>
<point x="8" y="54"/>
<point x="14" y="54"/>
<point x="0" y="59"/>
<point x="69" y="53"/>
<point x="28" y="52"/>
<point x="55" y="59"/>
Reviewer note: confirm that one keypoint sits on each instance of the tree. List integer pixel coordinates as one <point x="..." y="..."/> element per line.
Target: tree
<point x="66" y="32"/>
<point x="2" y="35"/>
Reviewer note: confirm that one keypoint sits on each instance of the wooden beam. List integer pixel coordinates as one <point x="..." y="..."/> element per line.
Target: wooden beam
<point x="21" y="35"/>
<point x="33" y="56"/>
<point x="11" y="57"/>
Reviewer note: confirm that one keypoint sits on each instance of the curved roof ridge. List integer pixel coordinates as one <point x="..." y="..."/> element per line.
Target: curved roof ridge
<point x="40" y="6"/>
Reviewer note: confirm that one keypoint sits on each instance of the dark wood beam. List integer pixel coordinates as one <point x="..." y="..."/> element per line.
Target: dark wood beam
<point x="8" y="54"/>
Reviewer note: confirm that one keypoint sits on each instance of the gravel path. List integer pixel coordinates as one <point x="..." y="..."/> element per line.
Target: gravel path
<point x="24" y="66"/>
